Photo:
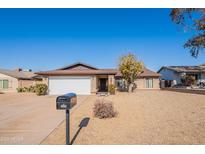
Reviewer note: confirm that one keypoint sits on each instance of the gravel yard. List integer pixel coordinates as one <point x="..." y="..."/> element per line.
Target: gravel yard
<point x="145" y="117"/>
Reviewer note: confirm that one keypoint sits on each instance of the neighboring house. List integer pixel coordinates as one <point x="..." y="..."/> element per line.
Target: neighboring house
<point x="10" y="80"/>
<point x="171" y="73"/>
<point x="85" y="79"/>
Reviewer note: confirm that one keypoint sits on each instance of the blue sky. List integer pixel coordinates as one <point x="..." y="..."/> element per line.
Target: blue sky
<point x="43" y="39"/>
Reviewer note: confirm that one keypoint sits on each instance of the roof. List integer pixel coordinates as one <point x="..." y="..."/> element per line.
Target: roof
<point x="84" y="69"/>
<point x="18" y="74"/>
<point x="79" y="72"/>
<point x="78" y="69"/>
<point x="148" y="73"/>
<point x="145" y="73"/>
<point x="185" y="69"/>
<point x="77" y="64"/>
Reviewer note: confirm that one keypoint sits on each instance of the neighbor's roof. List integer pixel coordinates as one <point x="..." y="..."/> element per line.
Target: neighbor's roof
<point x="145" y="73"/>
<point x="18" y="74"/>
<point x="202" y="65"/>
<point x="185" y="69"/>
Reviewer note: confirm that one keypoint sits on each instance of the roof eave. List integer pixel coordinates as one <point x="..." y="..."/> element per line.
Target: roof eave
<point x="59" y="74"/>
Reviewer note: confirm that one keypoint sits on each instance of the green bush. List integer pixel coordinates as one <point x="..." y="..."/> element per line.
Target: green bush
<point x="111" y="89"/>
<point x="26" y="89"/>
<point x="32" y="89"/>
<point x="41" y="89"/>
<point x="20" y="90"/>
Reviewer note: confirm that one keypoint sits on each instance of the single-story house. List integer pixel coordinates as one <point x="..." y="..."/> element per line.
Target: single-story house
<point x="10" y="80"/>
<point x="171" y="73"/>
<point x="85" y="79"/>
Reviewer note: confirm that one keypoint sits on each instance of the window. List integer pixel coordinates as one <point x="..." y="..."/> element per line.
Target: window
<point x="4" y="84"/>
<point x="1" y="84"/>
<point x="149" y="83"/>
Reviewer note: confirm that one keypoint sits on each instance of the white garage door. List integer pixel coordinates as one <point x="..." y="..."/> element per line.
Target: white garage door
<point x="64" y="85"/>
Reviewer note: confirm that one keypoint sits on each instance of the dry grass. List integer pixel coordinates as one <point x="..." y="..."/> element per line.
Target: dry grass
<point x="145" y="117"/>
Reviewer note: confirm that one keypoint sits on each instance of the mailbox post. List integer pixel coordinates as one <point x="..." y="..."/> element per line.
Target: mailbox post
<point x="66" y="102"/>
<point x="67" y="127"/>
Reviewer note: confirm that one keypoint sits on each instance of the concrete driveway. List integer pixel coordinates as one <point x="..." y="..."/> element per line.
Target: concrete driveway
<point x="28" y="119"/>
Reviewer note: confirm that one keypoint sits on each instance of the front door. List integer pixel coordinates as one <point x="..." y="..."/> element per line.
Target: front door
<point x="103" y="85"/>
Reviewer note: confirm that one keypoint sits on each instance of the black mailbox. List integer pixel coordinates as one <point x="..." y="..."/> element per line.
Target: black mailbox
<point x="66" y="102"/>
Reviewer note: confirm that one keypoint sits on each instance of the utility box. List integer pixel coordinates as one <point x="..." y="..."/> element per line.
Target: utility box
<point x="66" y="102"/>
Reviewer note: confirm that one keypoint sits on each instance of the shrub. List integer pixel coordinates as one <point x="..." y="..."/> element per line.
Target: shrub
<point x="104" y="109"/>
<point x="32" y="89"/>
<point x="41" y="89"/>
<point x="25" y="89"/>
<point x="20" y="90"/>
<point x="111" y="89"/>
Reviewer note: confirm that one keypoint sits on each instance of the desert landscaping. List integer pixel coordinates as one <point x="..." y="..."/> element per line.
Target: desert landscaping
<point x="144" y="117"/>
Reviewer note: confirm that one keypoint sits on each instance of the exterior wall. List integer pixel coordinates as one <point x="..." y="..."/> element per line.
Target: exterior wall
<point x="13" y="83"/>
<point x="94" y="87"/>
<point x="25" y="83"/>
<point x="111" y="79"/>
<point x="141" y="83"/>
<point x="156" y="83"/>
<point x="167" y="74"/>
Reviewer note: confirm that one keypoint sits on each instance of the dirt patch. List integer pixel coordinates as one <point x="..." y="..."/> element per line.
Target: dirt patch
<point x="145" y="117"/>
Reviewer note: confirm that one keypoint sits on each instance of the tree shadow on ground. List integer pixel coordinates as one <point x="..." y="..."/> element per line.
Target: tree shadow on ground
<point x="83" y="123"/>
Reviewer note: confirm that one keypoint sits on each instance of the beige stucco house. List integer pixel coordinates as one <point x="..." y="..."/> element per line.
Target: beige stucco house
<point x="84" y="79"/>
<point x="79" y="78"/>
<point x="10" y="80"/>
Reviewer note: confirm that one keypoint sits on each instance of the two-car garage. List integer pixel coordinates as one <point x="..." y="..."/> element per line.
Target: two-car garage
<point x="65" y="84"/>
